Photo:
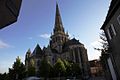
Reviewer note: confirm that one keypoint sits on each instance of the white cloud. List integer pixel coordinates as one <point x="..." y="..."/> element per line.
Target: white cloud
<point x="4" y="45"/>
<point x="30" y="38"/>
<point x="96" y="43"/>
<point x="70" y="36"/>
<point x="46" y="36"/>
<point x="73" y="36"/>
<point x="92" y="53"/>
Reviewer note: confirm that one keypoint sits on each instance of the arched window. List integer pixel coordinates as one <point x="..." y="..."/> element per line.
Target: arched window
<point x="38" y="63"/>
<point x="76" y="55"/>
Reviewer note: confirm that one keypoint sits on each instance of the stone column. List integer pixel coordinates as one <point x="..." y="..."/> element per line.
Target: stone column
<point x="73" y="55"/>
<point x="79" y="57"/>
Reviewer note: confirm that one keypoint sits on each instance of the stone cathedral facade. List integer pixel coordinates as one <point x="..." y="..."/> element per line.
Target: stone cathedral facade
<point x="60" y="46"/>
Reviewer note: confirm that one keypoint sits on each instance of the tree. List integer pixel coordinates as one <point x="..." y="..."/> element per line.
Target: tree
<point x="4" y="76"/>
<point x="68" y="67"/>
<point x="76" y="70"/>
<point x="59" y="68"/>
<point x="31" y="71"/>
<point x="105" y="49"/>
<point x="45" y="68"/>
<point x="17" y="71"/>
<point x="31" y="68"/>
<point x="104" y="43"/>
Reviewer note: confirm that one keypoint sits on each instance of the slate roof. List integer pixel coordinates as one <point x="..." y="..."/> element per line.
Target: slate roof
<point x="115" y="4"/>
<point x="54" y="50"/>
<point x="37" y="50"/>
<point x="72" y="42"/>
<point x="69" y="43"/>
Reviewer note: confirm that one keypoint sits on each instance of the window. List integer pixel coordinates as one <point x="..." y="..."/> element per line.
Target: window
<point x="118" y="19"/>
<point x="108" y="32"/>
<point x="38" y="63"/>
<point x="111" y="31"/>
<point x="76" y="55"/>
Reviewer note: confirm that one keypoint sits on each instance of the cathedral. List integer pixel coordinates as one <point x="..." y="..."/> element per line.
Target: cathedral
<point x="60" y="46"/>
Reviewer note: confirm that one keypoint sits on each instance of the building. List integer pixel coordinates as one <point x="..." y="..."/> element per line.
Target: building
<point x="106" y="64"/>
<point x="9" y="11"/>
<point x="60" y="46"/>
<point x="96" y="68"/>
<point x="111" y="28"/>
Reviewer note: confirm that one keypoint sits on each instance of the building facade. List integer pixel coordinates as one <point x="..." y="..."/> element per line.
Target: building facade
<point x="96" y="68"/>
<point x="60" y="46"/>
<point x="111" y="28"/>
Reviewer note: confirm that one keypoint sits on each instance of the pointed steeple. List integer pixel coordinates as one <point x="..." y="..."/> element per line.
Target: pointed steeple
<point x="59" y="37"/>
<point x="58" y="21"/>
<point x="37" y="50"/>
<point x="29" y="51"/>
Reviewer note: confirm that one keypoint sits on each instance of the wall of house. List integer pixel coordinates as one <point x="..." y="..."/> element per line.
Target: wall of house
<point x="115" y="41"/>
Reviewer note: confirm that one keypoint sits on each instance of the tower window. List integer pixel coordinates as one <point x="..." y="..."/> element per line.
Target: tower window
<point x="38" y="63"/>
<point x="62" y="38"/>
<point x="53" y="40"/>
<point x="58" y="38"/>
<point x="76" y="55"/>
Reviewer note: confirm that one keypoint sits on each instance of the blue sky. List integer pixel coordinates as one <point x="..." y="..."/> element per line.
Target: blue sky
<point x="81" y="18"/>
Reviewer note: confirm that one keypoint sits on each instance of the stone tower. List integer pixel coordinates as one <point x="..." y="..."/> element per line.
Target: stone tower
<point x="59" y="36"/>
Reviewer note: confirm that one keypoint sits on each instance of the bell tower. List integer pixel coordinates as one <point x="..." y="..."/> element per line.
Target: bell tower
<point x="59" y="37"/>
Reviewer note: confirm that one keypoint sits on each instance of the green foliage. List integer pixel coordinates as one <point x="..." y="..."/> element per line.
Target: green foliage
<point x="17" y="71"/>
<point x="32" y="63"/>
<point x="104" y="43"/>
<point x="68" y="67"/>
<point x="76" y="69"/>
<point x="59" y="68"/>
<point x="45" y="68"/>
<point x="31" y="71"/>
<point x="4" y="76"/>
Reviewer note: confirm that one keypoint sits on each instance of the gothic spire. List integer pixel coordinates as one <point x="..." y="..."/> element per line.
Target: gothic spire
<point x="58" y="21"/>
<point x="59" y="37"/>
